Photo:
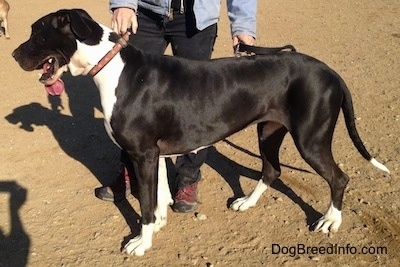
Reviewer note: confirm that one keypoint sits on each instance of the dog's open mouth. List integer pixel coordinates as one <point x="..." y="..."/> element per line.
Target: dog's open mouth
<point x="51" y="76"/>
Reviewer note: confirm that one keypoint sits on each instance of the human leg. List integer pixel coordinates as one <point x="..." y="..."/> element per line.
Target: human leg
<point x="188" y="42"/>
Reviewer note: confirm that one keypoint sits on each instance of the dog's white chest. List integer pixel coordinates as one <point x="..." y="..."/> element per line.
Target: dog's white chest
<point x="107" y="82"/>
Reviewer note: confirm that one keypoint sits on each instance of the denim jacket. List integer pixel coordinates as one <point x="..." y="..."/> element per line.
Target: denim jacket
<point x="241" y="13"/>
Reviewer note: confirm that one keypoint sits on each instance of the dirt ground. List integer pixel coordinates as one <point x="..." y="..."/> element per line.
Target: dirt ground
<point x="51" y="160"/>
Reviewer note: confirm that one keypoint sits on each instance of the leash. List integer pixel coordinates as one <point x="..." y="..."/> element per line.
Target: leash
<point x="258" y="50"/>
<point x="122" y="42"/>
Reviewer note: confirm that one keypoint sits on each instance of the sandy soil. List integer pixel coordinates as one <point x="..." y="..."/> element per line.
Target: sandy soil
<point x="53" y="159"/>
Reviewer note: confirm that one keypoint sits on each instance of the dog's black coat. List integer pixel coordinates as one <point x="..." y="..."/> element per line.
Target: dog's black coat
<point x="168" y="105"/>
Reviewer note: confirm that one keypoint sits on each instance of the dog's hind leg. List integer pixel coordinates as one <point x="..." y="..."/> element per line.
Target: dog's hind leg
<point x="337" y="181"/>
<point x="314" y="145"/>
<point x="270" y="136"/>
<point x="322" y="162"/>
<point x="164" y="198"/>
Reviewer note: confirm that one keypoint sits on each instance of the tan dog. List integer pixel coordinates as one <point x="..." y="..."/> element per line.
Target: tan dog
<point x="4" y="8"/>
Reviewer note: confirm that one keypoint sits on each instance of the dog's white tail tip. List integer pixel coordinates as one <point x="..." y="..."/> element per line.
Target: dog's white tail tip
<point x="379" y="165"/>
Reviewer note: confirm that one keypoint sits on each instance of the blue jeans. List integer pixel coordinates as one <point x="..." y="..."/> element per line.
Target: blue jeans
<point x="154" y="34"/>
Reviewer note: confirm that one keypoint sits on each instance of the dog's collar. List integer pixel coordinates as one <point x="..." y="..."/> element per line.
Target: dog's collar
<point x="121" y="43"/>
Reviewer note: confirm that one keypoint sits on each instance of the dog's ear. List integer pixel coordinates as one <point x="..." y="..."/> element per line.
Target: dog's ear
<point x="73" y="20"/>
<point x="81" y="23"/>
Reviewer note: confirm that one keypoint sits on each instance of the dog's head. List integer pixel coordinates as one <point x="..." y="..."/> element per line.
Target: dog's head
<point x="53" y="42"/>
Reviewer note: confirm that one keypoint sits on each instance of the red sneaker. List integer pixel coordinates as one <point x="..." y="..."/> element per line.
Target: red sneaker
<point x="186" y="199"/>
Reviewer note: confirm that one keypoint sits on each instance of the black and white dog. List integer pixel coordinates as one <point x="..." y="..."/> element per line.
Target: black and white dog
<point x="158" y="106"/>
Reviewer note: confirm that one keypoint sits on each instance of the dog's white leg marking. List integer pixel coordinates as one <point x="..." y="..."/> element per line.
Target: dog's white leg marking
<point x="164" y="198"/>
<point x="139" y="244"/>
<point x="330" y="221"/>
<point x="5" y="24"/>
<point x="242" y="204"/>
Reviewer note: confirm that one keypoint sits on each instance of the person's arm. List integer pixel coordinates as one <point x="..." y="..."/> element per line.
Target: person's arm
<point x="123" y="15"/>
<point x="242" y="15"/>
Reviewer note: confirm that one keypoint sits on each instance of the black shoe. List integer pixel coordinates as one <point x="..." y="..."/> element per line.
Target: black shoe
<point x="116" y="192"/>
<point x="106" y="193"/>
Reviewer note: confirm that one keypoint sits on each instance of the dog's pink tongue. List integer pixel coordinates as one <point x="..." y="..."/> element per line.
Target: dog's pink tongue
<point x="55" y="89"/>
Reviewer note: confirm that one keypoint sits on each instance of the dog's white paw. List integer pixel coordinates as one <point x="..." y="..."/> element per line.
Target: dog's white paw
<point x="161" y="217"/>
<point x="161" y="211"/>
<point x="330" y="222"/>
<point x="164" y="198"/>
<point x="139" y="244"/>
<point x="160" y="223"/>
<point x="244" y="203"/>
<point x="136" y="246"/>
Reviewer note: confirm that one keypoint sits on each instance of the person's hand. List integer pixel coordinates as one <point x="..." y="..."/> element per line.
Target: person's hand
<point x="244" y="38"/>
<point x="122" y="19"/>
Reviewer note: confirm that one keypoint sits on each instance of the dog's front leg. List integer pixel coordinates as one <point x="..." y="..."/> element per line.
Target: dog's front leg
<point x="147" y="185"/>
<point x="164" y="198"/>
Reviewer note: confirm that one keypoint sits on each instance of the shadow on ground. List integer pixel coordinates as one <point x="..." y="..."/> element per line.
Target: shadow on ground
<point x="14" y="245"/>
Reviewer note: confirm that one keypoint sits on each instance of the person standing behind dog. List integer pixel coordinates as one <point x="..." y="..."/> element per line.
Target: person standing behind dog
<point x="190" y="26"/>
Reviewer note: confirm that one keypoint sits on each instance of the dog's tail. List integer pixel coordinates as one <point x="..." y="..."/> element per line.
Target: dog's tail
<point x="348" y="111"/>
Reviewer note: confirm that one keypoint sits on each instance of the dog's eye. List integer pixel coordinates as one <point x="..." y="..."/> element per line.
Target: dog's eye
<point x="41" y="39"/>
